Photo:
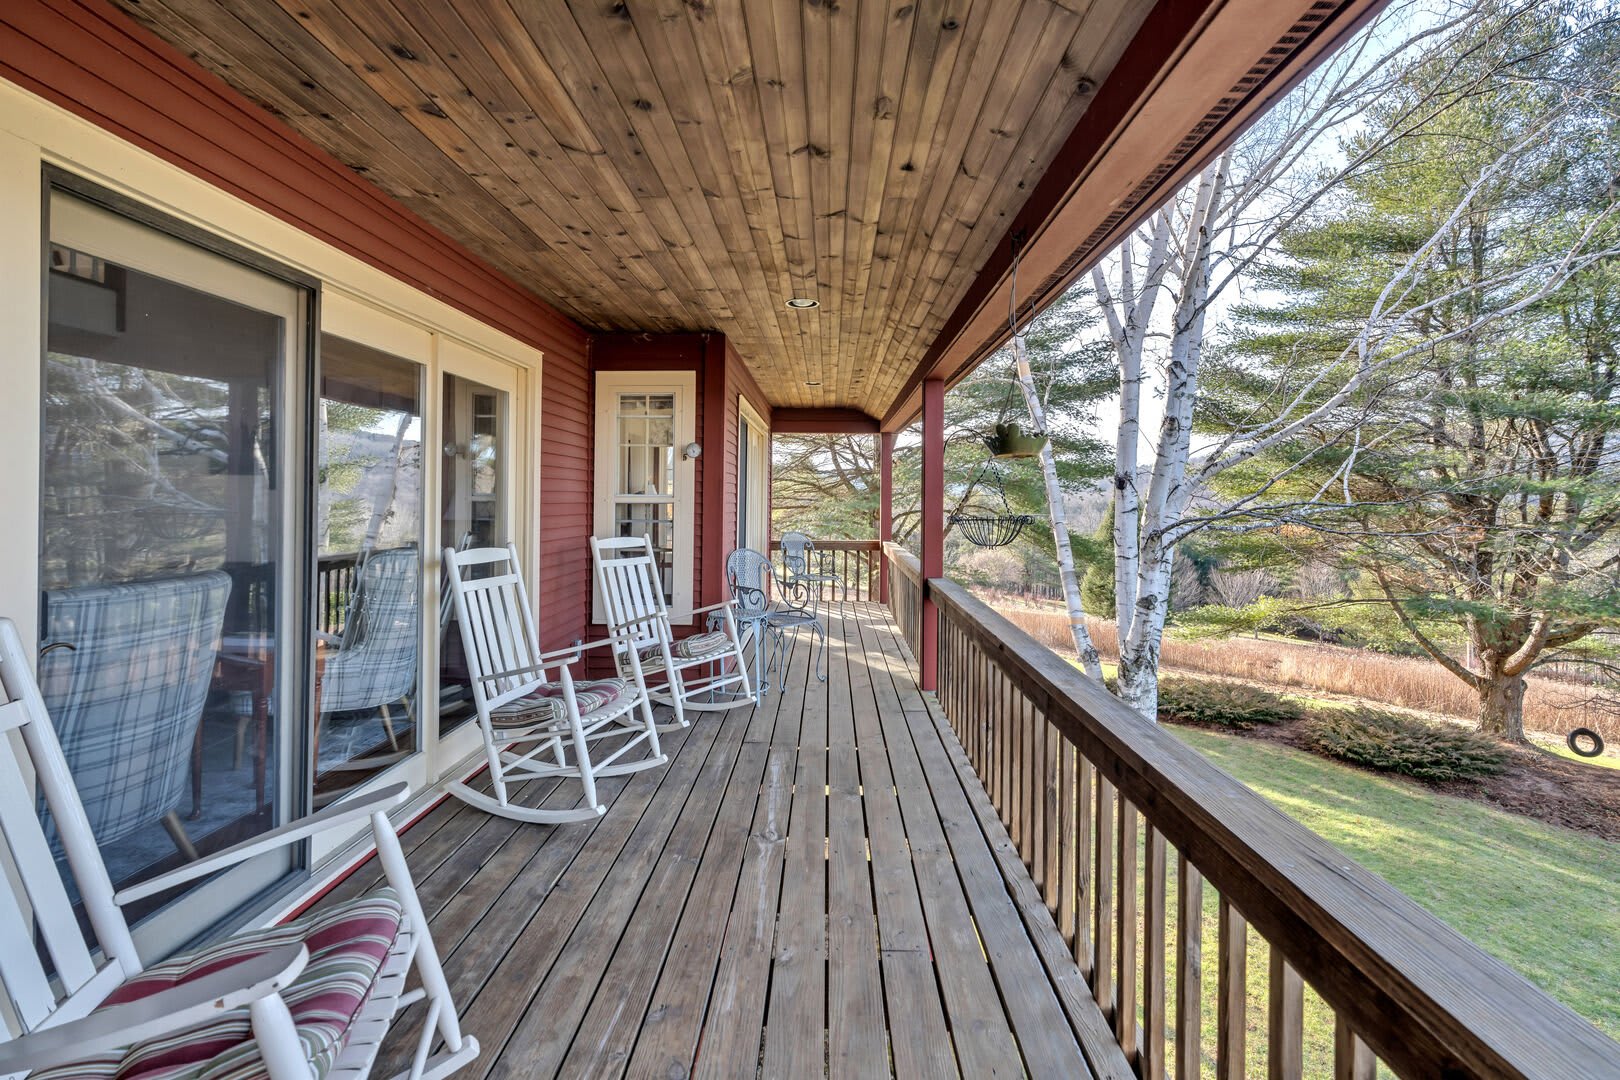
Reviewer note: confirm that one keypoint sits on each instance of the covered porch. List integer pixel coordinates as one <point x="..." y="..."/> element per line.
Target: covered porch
<point x="819" y="884"/>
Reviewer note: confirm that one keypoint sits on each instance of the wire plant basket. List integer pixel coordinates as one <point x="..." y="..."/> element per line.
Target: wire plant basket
<point x="991" y="530"/>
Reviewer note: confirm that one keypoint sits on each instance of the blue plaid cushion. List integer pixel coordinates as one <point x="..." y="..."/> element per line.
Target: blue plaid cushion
<point x="545" y="703"/>
<point x="127" y="699"/>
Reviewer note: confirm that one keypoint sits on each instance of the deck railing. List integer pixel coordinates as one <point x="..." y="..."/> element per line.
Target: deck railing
<point x="854" y="561"/>
<point x="1129" y="834"/>
<point x="335" y="580"/>
<point x="905" y="593"/>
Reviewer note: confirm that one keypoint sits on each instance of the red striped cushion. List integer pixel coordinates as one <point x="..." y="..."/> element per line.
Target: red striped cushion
<point x="546" y="703"/>
<point x="346" y="948"/>
<point x="693" y="646"/>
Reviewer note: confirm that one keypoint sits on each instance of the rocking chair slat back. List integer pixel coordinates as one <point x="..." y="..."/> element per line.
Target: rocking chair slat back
<point x="631" y="593"/>
<point x="496" y="612"/>
<point x="36" y="902"/>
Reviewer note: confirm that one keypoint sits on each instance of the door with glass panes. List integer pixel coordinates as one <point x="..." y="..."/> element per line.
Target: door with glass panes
<point x="172" y="521"/>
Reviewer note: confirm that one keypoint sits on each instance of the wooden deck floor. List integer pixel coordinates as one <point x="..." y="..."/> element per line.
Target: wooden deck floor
<point x="814" y="887"/>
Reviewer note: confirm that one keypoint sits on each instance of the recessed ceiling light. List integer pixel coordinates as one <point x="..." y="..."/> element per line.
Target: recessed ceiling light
<point x="803" y="302"/>
<point x="808" y="383"/>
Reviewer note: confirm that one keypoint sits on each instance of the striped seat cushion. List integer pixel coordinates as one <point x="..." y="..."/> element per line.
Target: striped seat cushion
<point x="346" y="945"/>
<point x="545" y="704"/>
<point x="695" y="647"/>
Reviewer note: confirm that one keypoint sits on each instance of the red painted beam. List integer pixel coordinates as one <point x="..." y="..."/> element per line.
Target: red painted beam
<point x="885" y="508"/>
<point x="933" y="524"/>
<point x="1195" y="76"/>
<point x="822" y="422"/>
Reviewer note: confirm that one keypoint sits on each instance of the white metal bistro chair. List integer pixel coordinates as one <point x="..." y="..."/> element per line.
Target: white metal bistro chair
<point x="633" y="600"/>
<point x="517" y="704"/>
<point x="805" y="566"/>
<point x="311" y="998"/>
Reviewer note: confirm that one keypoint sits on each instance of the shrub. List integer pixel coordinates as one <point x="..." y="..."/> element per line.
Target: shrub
<point x="1200" y="701"/>
<point x="1391" y="743"/>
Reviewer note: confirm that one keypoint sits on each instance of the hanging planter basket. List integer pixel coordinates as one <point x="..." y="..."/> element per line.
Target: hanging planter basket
<point x="991" y="530"/>
<point x="1011" y="441"/>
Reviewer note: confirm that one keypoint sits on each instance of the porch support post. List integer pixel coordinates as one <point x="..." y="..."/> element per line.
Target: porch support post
<point x="711" y="552"/>
<point x="933" y="523"/>
<point x="885" y="522"/>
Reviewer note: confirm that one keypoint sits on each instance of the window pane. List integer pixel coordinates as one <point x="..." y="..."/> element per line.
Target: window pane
<point x="369" y="564"/>
<point x="471" y="498"/>
<point x="654" y="520"/>
<point x="160" y="540"/>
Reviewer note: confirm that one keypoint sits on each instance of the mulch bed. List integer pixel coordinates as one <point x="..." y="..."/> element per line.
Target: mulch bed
<point x="1537" y="784"/>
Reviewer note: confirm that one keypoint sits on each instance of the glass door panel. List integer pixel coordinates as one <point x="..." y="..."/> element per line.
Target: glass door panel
<point x="368" y="543"/>
<point x="164" y="558"/>
<point x="644" y="499"/>
<point x="473" y="512"/>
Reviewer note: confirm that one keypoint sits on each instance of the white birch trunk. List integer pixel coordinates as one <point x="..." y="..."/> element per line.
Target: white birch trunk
<point x="1083" y="645"/>
<point x="1142" y="627"/>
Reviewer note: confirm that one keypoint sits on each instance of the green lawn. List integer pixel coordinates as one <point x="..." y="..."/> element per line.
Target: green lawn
<point x="1543" y="899"/>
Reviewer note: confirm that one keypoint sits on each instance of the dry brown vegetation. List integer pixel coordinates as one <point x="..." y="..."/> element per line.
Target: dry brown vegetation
<point x="1550" y="705"/>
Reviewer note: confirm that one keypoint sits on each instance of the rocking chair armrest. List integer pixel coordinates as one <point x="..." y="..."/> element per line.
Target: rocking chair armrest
<point x="575" y="650"/>
<point x="341" y="813"/>
<point x="164" y="1013"/>
<point x="558" y="658"/>
<point x="701" y="610"/>
<point x="638" y="620"/>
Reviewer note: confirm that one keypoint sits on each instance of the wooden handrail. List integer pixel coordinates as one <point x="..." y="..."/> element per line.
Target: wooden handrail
<point x="837" y="545"/>
<point x="904" y="561"/>
<point x="1425" y="999"/>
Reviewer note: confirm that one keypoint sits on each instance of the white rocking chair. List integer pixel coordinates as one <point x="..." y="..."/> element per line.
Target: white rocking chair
<point x="291" y="1002"/>
<point x="639" y="619"/>
<point x="516" y="704"/>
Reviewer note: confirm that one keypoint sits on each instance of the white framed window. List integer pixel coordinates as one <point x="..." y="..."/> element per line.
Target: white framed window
<point x="644" y="480"/>
<point x="753" y="478"/>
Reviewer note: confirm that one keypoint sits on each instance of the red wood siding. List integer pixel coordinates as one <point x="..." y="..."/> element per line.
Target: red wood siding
<point x="739" y="381"/>
<point x="90" y="59"/>
<point x="565" y="499"/>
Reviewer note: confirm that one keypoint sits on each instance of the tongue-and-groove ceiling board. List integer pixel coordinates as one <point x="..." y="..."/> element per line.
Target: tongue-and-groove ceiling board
<point x="667" y="165"/>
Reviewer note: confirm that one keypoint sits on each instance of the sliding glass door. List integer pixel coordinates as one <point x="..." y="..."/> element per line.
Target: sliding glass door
<point x="368" y="547"/>
<point x="171" y="515"/>
<point x="472" y="507"/>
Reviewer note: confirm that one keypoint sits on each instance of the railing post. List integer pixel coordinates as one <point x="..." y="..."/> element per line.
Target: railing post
<point x="933" y="525"/>
<point x="885" y="509"/>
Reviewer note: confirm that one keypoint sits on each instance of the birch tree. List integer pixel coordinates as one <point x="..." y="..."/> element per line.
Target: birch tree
<point x="1339" y="125"/>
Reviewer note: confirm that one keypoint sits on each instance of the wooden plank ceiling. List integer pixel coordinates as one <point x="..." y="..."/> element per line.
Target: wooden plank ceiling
<point x="667" y="165"/>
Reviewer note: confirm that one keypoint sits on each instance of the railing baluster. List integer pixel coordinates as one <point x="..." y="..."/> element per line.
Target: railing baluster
<point x="1285" y="1051"/>
<point x="1085" y="895"/>
<point x="1102" y="976"/>
<point x="1125" y="919"/>
<point x="1066" y="836"/>
<point x="1189" y="970"/>
<point x="1051" y="872"/>
<point x="1231" y="993"/>
<point x="1352" y="1060"/>
<point x="1152" y="1066"/>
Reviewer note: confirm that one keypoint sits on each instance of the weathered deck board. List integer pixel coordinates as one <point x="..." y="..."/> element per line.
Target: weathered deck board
<point x="811" y="887"/>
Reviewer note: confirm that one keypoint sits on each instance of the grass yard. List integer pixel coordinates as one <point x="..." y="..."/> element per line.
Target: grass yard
<point x="1543" y="899"/>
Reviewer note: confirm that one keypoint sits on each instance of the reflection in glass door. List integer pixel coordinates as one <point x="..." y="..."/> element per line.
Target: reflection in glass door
<point x="164" y="558"/>
<point x="368" y="536"/>
<point x="472" y="505"/>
